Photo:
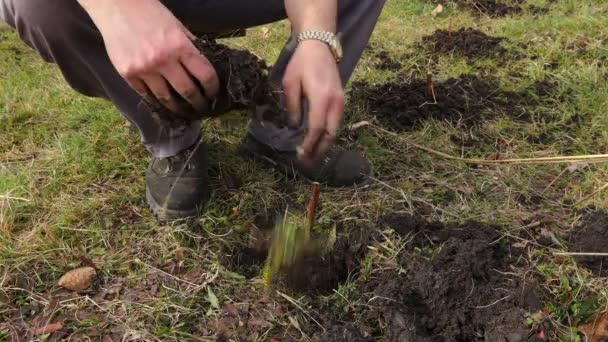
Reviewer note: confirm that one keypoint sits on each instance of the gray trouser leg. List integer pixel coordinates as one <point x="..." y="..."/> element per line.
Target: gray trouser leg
<point x="356" y="22"/>
<point x="63" y="33"/>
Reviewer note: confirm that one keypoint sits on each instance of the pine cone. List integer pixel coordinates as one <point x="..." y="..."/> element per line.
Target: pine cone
<point x="78" y="279"/>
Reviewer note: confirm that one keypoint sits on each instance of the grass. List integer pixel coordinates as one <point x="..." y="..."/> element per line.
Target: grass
<point x="71" y="180"/>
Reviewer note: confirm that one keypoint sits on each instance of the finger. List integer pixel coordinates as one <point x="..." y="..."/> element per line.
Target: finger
<point x="160" y="88"/>
<point x="181" y="82"/>
<point x="188" y="33"/>
<point x="334" y="120"/>
<point x="139" y="86"/>
<point x="316" y="127"/>
<point x="142" y="90"/>
<point x="293" y="102"/>
<point x="202" y="70"/>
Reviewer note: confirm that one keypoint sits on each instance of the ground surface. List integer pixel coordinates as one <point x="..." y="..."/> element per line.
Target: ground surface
<point x="433" y="250"/>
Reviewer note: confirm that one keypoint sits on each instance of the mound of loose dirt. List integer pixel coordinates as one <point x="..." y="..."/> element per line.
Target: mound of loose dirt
<point x="457" y="293"/>
<point x="452" y="288"/>
<point x="467" y="42"/>
<point x="467" y="101"/>
<point x="451" y="285"/>
<point x="591" y="236"/>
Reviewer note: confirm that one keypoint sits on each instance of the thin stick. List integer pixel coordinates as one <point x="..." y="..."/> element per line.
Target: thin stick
<point x="554" y="180"/>
<point x="450" y="27"/>
<point x="491" y="304"/>
<point x="428" y="91"/>
<point x="580" y="254"/>
<point x="602" y="188"/>
<point x="312" y="206"/>
<point x="593" y="158"/>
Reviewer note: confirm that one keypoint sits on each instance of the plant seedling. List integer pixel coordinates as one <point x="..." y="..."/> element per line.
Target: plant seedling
<point x="291" y="238"/>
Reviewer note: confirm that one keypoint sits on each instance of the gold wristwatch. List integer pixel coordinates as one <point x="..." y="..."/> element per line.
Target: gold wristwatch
<point x="332" y="40"/>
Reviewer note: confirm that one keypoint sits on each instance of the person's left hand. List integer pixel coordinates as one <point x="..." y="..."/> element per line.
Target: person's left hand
<point x="313" y="74"/>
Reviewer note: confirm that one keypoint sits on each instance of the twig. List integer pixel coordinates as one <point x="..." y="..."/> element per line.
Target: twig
<point x="593" y="158"/>
<point x="428" y="91"/>
<point x="295" y="303"/>
<point x="580" y="254"/>
<point x="197" y="286"/>
<point x="450" y="27"/>
<point x="7" y="197"/>
<point x="554" y="180"/>
<point x="602" y="188"/>
<point x="492" y="304"/>
<point x="311" y="207"/>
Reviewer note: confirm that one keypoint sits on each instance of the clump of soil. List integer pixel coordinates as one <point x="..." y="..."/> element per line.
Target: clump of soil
<point x="243" y="76"/>
<point x="452" y="287"/>
<point x="243" y="80"/>
<point x="458" y="291"/>
<point x="466" y="42"/>
<point x="466" y="100"/>
<point x="591" y="236"/>
<point x="386" y="61"/>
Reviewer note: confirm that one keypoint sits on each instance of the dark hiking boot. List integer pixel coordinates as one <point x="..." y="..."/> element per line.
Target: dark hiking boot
<point x="337" y="168"/>
<point x="178" y="187"/>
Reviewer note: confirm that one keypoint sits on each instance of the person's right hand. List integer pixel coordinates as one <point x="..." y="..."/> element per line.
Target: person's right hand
<point x="153" y="51"/>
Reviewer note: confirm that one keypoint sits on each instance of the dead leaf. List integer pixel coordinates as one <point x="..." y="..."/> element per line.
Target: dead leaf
<point x="294" y="322"/>
<point x="78" y="279"/>
<point x="230" y="310"/>
<point x="179" y="256"/>
<point x="577" y="166"/>
<point x="437" y="10"/>
<point x="258" y="322"/>
<point x="596" y="328"/>
<point x="49" y="328"/>
<point x="495" y="156"/>
<point x="212" y="298"/>
<point x="266" y="32"/>
<point x="235" y="211"/>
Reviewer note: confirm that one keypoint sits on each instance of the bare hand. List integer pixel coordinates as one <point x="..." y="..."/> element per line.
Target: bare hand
<point x="312" y="73"/>
<point x="154" y="52"/>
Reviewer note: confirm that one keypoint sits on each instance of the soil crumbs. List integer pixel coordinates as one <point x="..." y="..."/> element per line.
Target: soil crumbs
<point x="466" y="101"/>
<point x="467" y="42"/>
<point x="591" y="236"/>
<point x="447" y="283"/>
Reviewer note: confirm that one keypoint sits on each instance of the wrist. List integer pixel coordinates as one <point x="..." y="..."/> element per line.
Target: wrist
<point x="330" y="41"/>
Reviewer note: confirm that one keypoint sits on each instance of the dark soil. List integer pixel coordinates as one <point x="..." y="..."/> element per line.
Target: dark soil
<point x="243" y="80"/>
<point x="591" y="236"/>
<point x="467" y="42"/>
<point x="323" y="273"/>
<point x="451" y="289"/>
<point x="243" y="76"/>
<point x="466" y="101"/>
<point x="386" y="62"/>
<point x="451" y="285"/>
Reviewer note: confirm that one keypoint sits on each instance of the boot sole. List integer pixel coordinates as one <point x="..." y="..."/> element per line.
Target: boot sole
<point x="166" y="214"/>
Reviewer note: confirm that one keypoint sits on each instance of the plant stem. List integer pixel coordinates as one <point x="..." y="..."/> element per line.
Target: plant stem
<point x="312" y="206"/>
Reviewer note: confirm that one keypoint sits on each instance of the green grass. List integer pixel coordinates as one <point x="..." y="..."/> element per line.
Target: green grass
<point x="71" y="177"/>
